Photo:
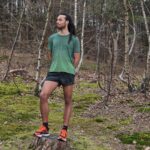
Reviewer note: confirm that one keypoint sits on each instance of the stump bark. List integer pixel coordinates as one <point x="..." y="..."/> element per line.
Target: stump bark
<point x="49" y="143"/>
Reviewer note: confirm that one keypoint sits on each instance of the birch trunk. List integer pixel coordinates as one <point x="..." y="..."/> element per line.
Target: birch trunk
<point x="134" y="30"/>
<point x="98" y="49"/>
<point x="115" y="37"/>
<point x="75" y="13"/>
<point x="146" y="79"/>
<point x="126" y="34"/>
<point x="42" y="42"/>
<point x="125" y="70"/>
<point x="147" y="75"/>
<point x="82" y="37"/>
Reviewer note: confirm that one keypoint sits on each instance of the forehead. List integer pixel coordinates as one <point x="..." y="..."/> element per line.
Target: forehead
<point x="61" y="17"/>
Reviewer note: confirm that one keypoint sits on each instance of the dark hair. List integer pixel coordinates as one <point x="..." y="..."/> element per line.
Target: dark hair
<point x="71" y="26"/>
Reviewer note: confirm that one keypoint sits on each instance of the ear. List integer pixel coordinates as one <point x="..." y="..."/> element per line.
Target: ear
<point x="67" y="22"/>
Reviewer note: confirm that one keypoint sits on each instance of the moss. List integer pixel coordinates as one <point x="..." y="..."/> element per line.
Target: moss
<point x="8" y="89"/>
<point x="82" y="143"/>
<point x="11" y="130"/>
<point x="89" y="98"/>
<point x="141" y="138"/>
<point x="99" y="119"/>
<point x="144" y="109"/>
<point x="87" y="85"/>
<point x="11" y="89"/>
<point x="112" y="127"/>
<point x="82" y="102"/>
<point x="126" y="121"/>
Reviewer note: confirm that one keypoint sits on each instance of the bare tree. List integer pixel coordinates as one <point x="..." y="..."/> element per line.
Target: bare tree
<point x="115" y="37"/>
<point x="146" y="79"/>
<point x="82" y="37"/>
<point x="134" y="30"/>
<point x="14" y="44"/>
<point x="124" y="76"/>
<point x="42" y="45"/>
<point x="75" y="12"/>
<point x="99" y="27"/>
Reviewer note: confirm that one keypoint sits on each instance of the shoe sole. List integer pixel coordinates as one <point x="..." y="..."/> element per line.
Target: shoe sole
<point x="42" y="135"/>
<point x="61" y="139"/>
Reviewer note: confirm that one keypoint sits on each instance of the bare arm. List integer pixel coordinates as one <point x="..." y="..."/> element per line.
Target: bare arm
<point x="49" y="56"/>
<point x="76" y="59"/>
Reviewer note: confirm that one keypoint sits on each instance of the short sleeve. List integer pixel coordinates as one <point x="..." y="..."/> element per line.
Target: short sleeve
<point x="76" y="45"/>
<point x="50" y="44"/>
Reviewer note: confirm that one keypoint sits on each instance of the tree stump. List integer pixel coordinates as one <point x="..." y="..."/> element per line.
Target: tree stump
<point x="49" y="143"/>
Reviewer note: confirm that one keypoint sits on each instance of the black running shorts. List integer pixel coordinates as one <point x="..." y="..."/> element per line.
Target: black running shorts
<point x="62" y="78"/>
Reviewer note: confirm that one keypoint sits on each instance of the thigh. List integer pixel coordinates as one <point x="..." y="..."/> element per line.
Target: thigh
<point x="49" y="87"/>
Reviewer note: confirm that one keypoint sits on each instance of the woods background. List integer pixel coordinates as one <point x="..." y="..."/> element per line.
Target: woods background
<point x="114" y="65"/>
<point x="104" y="27"/>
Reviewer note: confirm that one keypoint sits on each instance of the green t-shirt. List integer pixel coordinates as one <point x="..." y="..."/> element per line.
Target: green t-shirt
<point x="62" y="52"/>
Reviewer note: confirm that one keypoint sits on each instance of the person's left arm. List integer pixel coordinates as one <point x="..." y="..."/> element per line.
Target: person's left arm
<point x="76" y="59"/>
<point x="76" y="52"/>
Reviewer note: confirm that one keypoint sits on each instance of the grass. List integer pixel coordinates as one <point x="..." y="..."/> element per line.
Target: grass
<point x="139" y="138"/>
<point x="20" y="117"/>
<point x="144" y="109"/>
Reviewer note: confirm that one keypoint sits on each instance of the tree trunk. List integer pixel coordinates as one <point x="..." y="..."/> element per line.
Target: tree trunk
<point x="126" y="34"/>
<point x="82" y="37"/>
<point x="148" y="37"/>
<point x="75" y="13"/>
<point x="42" y="42"/>
<point x="98" y="34"/>
<point x="124" y="76"/>
<point x="134" y="30"/>
<point x="40" y="50"/>
<point x="115" y="37"/>
<point x="147" y="72"/>
<point x="49" y="143"/>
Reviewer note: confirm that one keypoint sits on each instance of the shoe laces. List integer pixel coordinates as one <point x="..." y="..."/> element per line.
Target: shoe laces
<point x="42" y="128"/>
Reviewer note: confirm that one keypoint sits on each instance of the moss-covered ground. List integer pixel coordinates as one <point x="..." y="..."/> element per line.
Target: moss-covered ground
<point x="20" y="117"/>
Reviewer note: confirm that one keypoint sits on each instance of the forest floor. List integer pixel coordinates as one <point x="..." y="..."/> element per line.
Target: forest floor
<point x="123" y="125"/>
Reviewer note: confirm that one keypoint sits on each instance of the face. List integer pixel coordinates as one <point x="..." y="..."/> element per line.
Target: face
<point x="61" y="22"/>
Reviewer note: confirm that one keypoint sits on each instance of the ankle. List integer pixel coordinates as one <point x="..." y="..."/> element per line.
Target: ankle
<point x="45" y="124"/>
<point x="65" y="127"/>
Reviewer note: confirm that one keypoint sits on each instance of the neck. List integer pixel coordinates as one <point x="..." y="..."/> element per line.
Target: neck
<point x="63" y="31"/>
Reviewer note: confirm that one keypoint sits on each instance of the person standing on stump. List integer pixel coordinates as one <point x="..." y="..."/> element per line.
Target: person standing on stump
<point x="64" y="54"/>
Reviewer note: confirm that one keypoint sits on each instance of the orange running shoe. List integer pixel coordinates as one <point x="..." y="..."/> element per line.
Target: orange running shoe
<point x="42" y="131"/>
<point x="63" y="135"/>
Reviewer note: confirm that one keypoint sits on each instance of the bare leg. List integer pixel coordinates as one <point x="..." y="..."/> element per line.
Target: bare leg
<point x="68" y="103"/>
<point x="48" y="88"/>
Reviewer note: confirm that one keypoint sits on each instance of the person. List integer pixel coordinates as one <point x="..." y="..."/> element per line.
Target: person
<point x="64" y="54"/>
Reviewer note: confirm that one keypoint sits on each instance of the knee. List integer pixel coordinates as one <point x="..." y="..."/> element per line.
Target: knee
<point x="43" y="97"/>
